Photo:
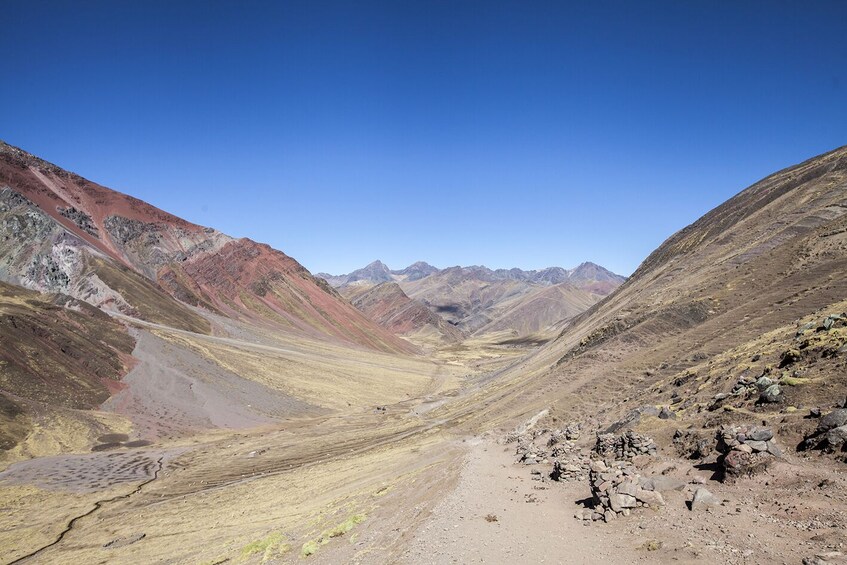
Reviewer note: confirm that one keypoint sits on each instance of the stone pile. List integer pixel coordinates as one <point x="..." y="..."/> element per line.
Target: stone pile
<point x="573" y="468"/>
<point x="540" y="445"/>
<point x="605" y="446"/>
<point x="529" y="453"/>
<point x="625" y="446"/>
<point x="570" y="462"/>
<point x="570" y="432"/>
<point x="617" y="489"/>
<point x="746" y="449"/>
<point x="691" y="445"/>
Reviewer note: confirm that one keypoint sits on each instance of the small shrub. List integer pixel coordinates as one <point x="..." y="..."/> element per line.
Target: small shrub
<point x="268" y="546"/>
<point x="309" y="548"/>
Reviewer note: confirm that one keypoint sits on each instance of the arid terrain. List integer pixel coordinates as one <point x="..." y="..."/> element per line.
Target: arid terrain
<point x="169" y="394"/>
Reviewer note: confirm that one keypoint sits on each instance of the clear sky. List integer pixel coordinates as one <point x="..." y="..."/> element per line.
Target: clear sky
<point x="510" y="134"/>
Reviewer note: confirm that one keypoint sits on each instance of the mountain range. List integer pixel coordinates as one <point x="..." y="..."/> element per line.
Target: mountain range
<point x="584" y="275"/>
<point x="478" y="300"/>
<point x="172" y="394"/>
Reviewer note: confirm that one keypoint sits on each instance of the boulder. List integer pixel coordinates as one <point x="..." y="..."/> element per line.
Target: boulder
<point x="662" y="483"/>
<point x="651" y="498"/>
<point x="667" y="414"/>
<point x="830" y="320"/>
<point x="761" y="434"/>
<point x="735" y="461"/>
<point x="703" y="500"/>
<point x="628" y="488"/>
<point x="618" y="502"/>
<point x="649" y="410"/>
<point x="834" y="419"/>
<point x="789" y="357"/>
<point x="774" y="449"/>
<point x="837" y="437"/>
<point x="757" y="446"/>
<point x="771" y="394"/>
<point x="804" y="328"/>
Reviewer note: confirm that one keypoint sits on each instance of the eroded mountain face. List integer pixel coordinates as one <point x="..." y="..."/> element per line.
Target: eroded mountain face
<point x="388" y="305"/>
<point x="62" y="233"/>
<point x="55" y="351"/>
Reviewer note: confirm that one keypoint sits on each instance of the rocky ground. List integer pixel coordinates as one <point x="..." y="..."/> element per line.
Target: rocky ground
<point x="507" y="507"/>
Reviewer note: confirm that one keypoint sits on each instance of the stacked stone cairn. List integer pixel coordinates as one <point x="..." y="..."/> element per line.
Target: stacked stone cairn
<point x="616" y="487"/>
<point x="571" y="463"/>
<point x="625" y="446"/>
<point x="542" y="444"/>
<point x="528" y="452"/>
<point x="746" y="449"/>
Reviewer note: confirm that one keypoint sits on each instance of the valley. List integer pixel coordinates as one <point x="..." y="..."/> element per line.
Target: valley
<point x="169" y="394"/>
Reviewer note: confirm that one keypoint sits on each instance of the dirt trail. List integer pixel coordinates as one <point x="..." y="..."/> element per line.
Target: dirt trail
<point x="534" y="520"/>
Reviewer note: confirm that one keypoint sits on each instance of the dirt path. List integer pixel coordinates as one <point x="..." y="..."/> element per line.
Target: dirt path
<point x="534" y="520"/>
<point x="792" y="512"/>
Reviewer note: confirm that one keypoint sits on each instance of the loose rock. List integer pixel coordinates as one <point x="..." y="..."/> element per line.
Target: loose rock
<point x="703" y="500"/>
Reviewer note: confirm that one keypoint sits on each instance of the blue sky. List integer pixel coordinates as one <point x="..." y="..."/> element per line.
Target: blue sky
<point x="524" y="134"/>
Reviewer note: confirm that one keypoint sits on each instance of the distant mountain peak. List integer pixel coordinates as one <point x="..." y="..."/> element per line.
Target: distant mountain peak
<point x="416" y="271"/>
<point x="420" y="265"/>
<point x="592" y="271"/>
<point x="374" y="272"/>
<point x="586" y="274"/>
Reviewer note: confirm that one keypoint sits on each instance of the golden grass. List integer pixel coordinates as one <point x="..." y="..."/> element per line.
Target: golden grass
<point x="323" y="502"/>
<point x="334" y="377"/>
<point x="64" y="431"/>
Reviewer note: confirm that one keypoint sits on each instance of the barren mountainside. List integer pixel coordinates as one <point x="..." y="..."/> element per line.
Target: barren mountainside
<point x="387" y="304"/>
<point x="542" y="310"/>
<point x="63" y="233"/>
<point x="767" y="258"/>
